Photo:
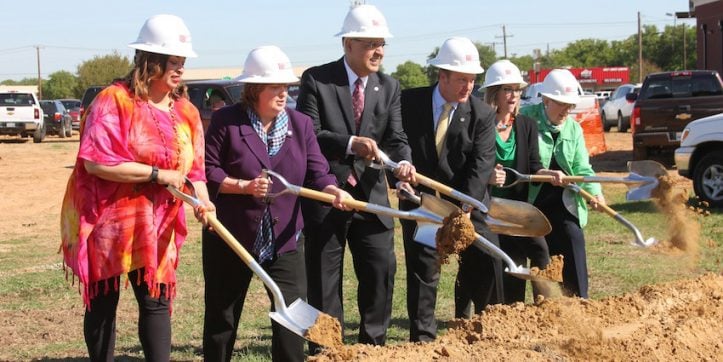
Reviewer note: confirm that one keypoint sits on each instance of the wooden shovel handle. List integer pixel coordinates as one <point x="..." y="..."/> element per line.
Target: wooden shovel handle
<point x="437" y="186"/>
<point x="230" y="240"/>
<point x="329" y="198"/>
<point x="607" y="209"/>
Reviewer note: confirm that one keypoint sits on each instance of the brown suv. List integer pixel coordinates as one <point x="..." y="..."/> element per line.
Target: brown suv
<point x="666" y="103"/>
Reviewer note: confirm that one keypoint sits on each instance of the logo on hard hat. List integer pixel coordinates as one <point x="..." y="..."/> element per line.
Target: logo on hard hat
<point x="468" y="57"/>
<point x="183" y="38"/>
<point x="376" y="22"/>
<point x="508" y="71"/>
<point x="568" y="89"/>
<point x="282" y="65"/>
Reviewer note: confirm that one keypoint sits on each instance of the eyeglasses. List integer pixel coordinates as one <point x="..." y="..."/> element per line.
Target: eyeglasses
<point x="508" y="90"/>
<point x="371" y="44"/>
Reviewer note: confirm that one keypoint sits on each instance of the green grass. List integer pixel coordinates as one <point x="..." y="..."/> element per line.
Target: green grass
<point x="615" y="267"/>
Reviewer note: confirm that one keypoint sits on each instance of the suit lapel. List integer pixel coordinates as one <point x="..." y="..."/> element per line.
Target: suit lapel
<point x="371" y="97"/>
<point x="253" y="141"/>
<point x="343" y="93"/>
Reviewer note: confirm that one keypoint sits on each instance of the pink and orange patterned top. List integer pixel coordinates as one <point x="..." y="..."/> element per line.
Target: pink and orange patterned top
<point x="109" y="228"/>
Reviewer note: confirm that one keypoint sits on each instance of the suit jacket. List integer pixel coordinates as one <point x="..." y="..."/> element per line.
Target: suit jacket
<point x="325" y="96"/>
<point x="468" y="155"/>
<point x="234" y="149"/>
<point x="527" y="153"/>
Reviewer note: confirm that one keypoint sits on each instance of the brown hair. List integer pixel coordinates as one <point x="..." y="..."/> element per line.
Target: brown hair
<point x="148" y="66"/>
<point x="491" y="97"/>
<point x="251" y="94"/>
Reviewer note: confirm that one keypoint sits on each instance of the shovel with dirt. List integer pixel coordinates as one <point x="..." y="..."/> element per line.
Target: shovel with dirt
<point x="501" y="214"/>
<point x="641" y="181"/>
<point x="429" y="217"/>
<point x="299" y="317"/>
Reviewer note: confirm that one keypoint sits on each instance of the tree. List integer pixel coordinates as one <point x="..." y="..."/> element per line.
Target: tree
<point x="101" y="70"/>
<point x="62" y="84"/>
<point x="24" y="81"/>
<point x="583" y="53"/>
<point x="410" y="75"/>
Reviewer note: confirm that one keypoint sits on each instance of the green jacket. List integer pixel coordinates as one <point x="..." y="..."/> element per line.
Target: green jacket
<point x="570" y="153"/>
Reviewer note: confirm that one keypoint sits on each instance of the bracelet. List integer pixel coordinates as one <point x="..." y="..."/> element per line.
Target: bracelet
<point x="154" y="174"/>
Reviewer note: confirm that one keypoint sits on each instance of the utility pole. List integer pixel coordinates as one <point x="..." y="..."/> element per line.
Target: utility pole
<point x="685" y="50"/>
<point x="504" y="38"/>
<point x="493" y="44"/>
<point x="640" y="51"/>
<point x="40" y="80"/>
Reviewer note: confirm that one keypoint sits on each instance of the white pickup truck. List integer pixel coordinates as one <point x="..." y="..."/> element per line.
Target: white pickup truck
<point x="700" y="158"/>
<point x="21" y="115"/>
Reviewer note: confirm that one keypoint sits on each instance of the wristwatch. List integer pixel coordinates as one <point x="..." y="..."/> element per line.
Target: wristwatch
<point x="154" y="174"/>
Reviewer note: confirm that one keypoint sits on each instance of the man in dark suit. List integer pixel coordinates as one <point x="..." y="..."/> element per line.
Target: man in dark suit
<point x="452" y="138"/>
<point x="355" y="109"/>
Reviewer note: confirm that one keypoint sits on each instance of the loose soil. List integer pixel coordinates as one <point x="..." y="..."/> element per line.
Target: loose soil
<point x="676" y="321"/>
<point x="455" y="236"/>
<point x="552" y="271"/>
<point x="326" y="331"/>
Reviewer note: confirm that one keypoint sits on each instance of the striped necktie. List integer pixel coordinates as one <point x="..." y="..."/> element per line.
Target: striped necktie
<point x="441" y="131"/>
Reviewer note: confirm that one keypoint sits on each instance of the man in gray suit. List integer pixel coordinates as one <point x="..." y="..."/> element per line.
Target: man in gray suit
<point x="452" y="137"/>
<point x="355" y="110"/>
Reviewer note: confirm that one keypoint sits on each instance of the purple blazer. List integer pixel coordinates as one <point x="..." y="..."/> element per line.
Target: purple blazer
<point x="233" y="149"/>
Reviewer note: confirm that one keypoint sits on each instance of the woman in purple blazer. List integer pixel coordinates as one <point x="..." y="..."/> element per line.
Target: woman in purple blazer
<point x="242" y="139"/>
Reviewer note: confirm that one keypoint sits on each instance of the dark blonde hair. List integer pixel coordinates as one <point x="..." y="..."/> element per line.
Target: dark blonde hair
<point x="251" y="94"/>
<point x="491" y="97"/>
<point x="148" y="66"/>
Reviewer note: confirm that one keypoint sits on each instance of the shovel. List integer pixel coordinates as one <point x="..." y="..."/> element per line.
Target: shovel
<point x="639" y="241"/>
<point x="641" y="181"/>
<point x="429" y="217"/>
<point x="509" y="217"/>
<point x="297" y="317"/>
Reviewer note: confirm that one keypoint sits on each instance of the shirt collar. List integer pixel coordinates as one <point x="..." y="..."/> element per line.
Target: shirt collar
<point x="352" y="76"/>
<point x="438" y="101"/>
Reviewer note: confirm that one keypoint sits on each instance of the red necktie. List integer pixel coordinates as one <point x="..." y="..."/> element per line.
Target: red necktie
<point x="358" y="102"/>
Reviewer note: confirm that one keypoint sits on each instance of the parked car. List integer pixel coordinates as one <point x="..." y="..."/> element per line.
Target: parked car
<point x="73" y="107"/>
<point x="21" y="115"/>
<point x="531" y="94"/>
<point x="617" y="109"/>
<point x="700" y="158"/>
<point x="666" y="103"/>
<point x="57" y="119"/>
<point x="88" y="97"/>
<point x="200" y="91"/>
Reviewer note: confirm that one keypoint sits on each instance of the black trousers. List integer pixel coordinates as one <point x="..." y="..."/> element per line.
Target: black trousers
<point x="372" y="249"/>
<point x="520" y="249"/>
<point x="568" y="240"/>
<point x="154" y="320"/>
<point x="423" y="271"/>
<point x="227" y="281"/>
<point x="479" y="279"/>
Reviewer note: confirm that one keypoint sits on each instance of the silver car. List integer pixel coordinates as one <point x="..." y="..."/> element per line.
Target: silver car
<point x="617" y="110"/>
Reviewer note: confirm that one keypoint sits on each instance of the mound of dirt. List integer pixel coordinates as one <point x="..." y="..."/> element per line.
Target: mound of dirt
<point x="681" y="321"/>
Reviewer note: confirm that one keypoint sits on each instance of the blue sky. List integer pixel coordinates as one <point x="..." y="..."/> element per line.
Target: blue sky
<point x="224" y="31"/>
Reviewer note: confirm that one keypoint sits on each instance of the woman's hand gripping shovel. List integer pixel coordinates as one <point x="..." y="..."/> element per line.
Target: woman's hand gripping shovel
<point x="297" y="317"/>
<point x="508" y="217"/>
<point x="429" y="217"/>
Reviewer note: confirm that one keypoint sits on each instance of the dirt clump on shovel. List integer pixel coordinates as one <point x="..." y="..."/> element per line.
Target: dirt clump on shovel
<point x="552" y="271"/>
<point x="683" y="231"/>
<point x="326" y="331"/>
<point x="456" y="235"/>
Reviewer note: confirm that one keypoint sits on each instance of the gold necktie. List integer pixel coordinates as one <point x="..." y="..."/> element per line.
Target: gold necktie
<point x="441" y="132"/>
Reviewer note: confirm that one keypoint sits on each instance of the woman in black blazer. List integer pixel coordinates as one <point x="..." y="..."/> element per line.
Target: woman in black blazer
<point x="517" y="148"/>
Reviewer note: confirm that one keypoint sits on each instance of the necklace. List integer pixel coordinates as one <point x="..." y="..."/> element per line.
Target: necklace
<point x="160" y="131"/>
<point x="502" y="125"/>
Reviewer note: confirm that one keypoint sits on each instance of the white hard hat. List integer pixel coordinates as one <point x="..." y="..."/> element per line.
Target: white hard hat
<point x="267" y="64"/>
<point x="501" y="72"/>
<point x="458" y="55"/>
<point x="364" y="21"/>
<point x="165" y="34"/>
<point x="560" y="85"/>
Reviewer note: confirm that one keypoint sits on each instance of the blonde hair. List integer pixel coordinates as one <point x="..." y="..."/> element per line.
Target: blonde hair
<point x="148" y="66"/>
